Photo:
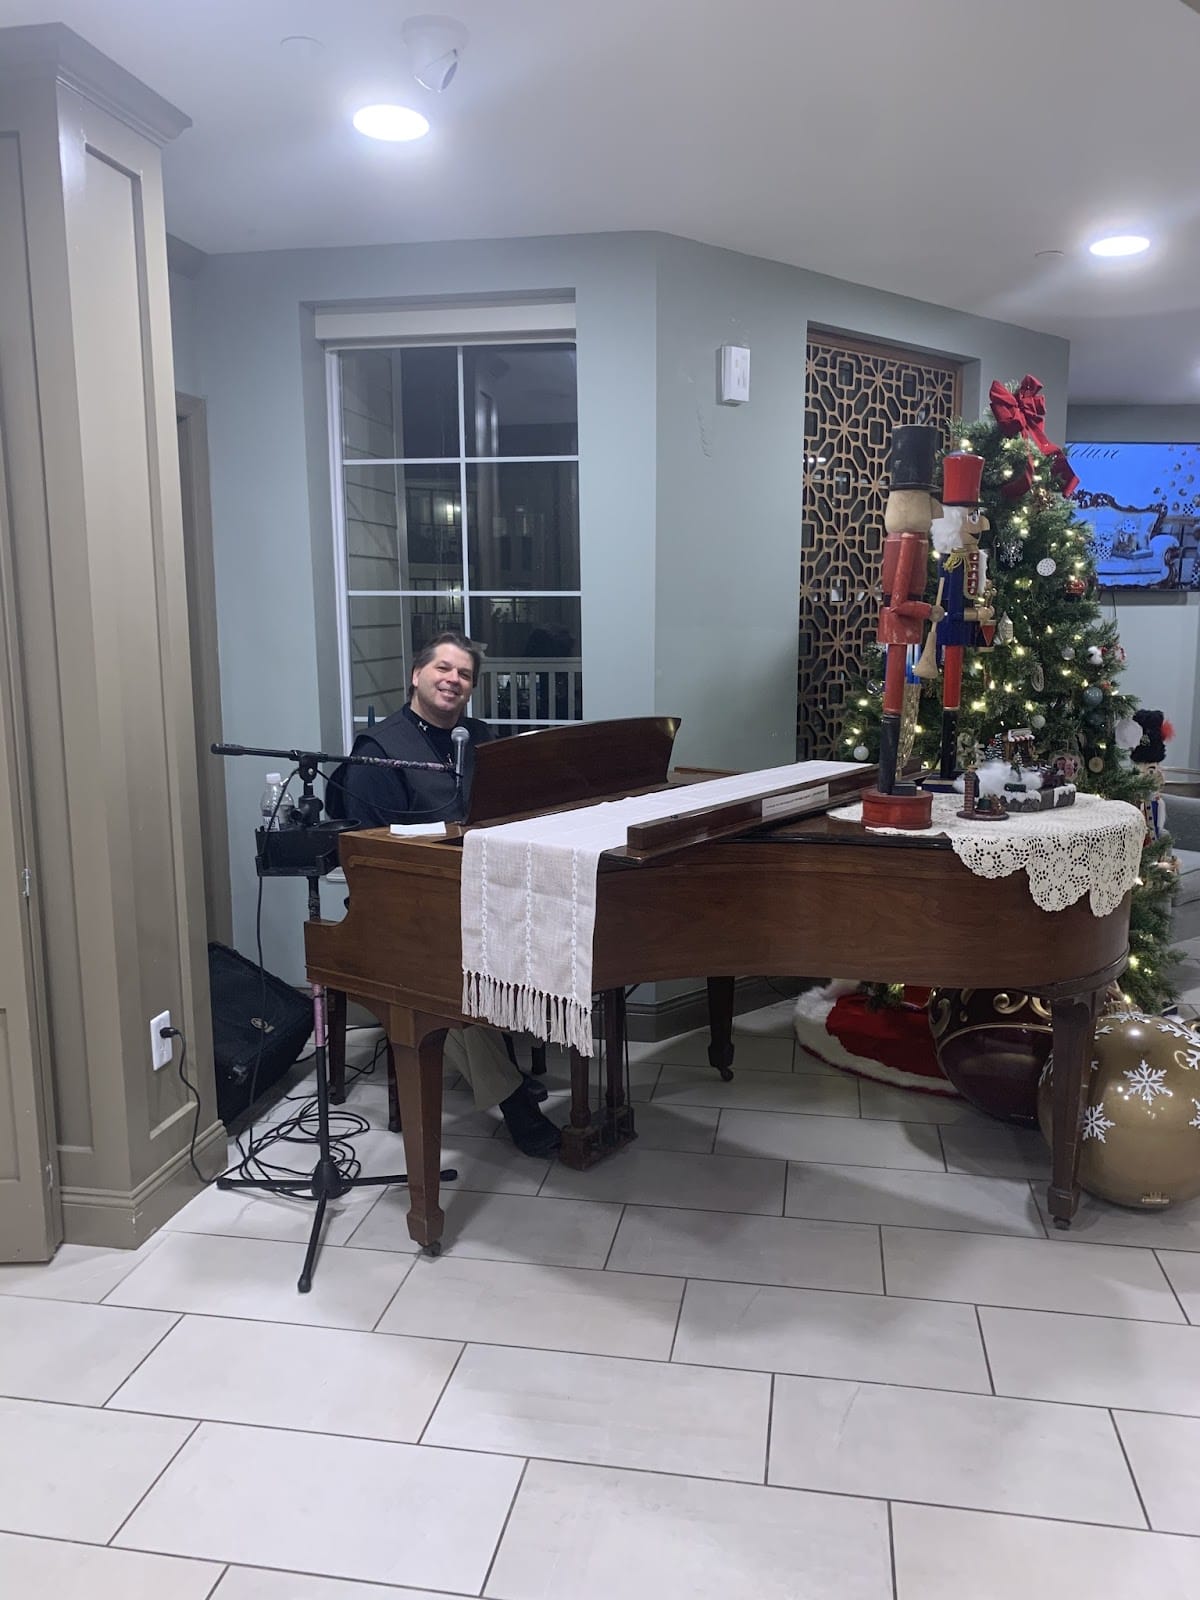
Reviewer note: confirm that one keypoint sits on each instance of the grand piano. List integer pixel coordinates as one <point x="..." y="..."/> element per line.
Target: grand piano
<point x="718" y="894"/>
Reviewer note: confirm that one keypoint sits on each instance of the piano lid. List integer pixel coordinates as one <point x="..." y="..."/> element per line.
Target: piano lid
<point x="569" y="765"/>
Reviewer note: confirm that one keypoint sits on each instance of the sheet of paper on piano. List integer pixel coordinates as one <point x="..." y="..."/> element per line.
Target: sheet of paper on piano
<point x="529" y="893"/>
<point x="419" y="830"/>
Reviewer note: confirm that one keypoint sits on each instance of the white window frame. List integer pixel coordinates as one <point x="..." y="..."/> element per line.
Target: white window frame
<point x="355" y="328"/>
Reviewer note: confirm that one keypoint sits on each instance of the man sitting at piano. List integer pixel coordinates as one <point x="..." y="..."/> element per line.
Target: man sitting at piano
<point x="443" y="676"/>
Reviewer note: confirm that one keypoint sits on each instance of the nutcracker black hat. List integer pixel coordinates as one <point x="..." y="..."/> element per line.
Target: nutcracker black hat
<point x="914" y="446"/>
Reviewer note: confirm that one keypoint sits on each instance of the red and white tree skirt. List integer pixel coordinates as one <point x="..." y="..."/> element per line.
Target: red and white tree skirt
<point x="888" y="1044"/>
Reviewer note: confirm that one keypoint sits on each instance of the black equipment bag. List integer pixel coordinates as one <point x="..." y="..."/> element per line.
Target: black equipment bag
<point x="258" y="1019"/>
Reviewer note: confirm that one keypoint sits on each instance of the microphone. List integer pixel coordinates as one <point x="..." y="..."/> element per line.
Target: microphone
<point x="459" y="738"/>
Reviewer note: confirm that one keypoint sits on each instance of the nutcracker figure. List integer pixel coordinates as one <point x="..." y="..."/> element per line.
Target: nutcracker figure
<point x="962" y="613"/>
<point x="907" y="518"/>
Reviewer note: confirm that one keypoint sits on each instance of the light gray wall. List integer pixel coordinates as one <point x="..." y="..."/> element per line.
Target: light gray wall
<point x="262" y="374"/>
<point x="730" y="477"/>
<point x="689" y="511"/>
<point x="1160" y="631"/>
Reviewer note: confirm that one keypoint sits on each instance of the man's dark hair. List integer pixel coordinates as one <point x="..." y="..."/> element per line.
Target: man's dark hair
<point x="460" y="642"/>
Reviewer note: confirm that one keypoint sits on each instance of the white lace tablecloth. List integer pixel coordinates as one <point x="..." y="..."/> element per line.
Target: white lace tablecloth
<point x="1093" y="847"/>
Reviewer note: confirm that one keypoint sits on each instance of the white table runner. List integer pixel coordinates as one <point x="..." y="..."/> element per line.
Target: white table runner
<point x="529" y="900"/>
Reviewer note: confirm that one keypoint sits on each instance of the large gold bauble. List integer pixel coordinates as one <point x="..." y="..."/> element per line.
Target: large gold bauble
<point x="1141" y="1123"/>
<point x="992" y="1045"/>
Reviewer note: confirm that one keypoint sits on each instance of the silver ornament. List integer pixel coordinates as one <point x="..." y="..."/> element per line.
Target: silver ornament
<point x="1047" y="567"/>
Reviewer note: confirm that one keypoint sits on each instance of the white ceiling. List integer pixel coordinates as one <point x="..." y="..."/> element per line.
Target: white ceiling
<point x="930" y="147"/>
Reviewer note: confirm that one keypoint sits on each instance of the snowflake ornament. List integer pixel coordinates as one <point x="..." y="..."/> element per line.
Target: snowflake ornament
<point x="1145" y="1081"/>
<point x="1096" y="1124"/>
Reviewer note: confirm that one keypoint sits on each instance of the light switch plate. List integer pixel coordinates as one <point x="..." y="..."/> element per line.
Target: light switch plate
<point x="735" y="374"/>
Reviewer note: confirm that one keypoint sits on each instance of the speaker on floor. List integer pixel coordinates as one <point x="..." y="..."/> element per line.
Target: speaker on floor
<point x="260" y="1026"/>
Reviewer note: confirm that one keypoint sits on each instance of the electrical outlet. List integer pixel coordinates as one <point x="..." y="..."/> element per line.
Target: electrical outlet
<point x="161" y="1049"/>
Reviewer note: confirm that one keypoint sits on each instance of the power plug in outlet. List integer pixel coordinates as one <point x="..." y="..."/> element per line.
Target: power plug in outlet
<point x="161" y="1049"/>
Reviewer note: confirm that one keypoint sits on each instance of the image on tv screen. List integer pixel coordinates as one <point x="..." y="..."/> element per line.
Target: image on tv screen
<point x="1143" y="502"/>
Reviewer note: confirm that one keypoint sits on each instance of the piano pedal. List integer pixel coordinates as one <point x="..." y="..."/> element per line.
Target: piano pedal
<point x="608" y="1131"/>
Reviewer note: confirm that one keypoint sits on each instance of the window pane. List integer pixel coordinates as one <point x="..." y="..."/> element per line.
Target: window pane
<point x="519" y="400"/>
<point x="524" y="525"/>
<point x="400" y="402"/>
<point x="385" y="633"/>
<point x="532" y="668"/>
<point x="403" y="527"/>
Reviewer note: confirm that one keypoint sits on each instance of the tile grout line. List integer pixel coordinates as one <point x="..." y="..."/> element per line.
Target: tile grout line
<point x="1137" y="1488"/>
<point x="882" y="1262"/>
<point x="942" y="1146"/>
<point x="487" y="1577"/>
<point x="221" y="1576"/>
<point x="166" y="1334"/>
<point x="770" y="1422"/>
<point x="987" y="1360"/>
<point x="1154" y="1249"/>
<point x="892" y="1550"/>
<point x="1037" y="1208"/>
<point x="678" y="1320"/>
<point x="391" y="1299"/>
<point x="612" y="1243"/>
<point x="832" y="1494"/>
<point x="441" y="1395"/>
<point x="158" y="1477"/>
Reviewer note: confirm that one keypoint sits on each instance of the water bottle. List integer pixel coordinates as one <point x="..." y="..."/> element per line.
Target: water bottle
<point x="276" y="804"/>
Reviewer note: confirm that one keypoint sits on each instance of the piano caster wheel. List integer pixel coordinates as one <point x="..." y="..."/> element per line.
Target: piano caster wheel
<point x="394" y="1125"/>
<point x="434" y="1249"/>
<point x="726" y="1074"/>
<point x="1062" y="1222"/>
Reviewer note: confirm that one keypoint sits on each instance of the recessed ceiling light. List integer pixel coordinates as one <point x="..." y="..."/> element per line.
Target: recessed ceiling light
<point x="391" y="122"/>
<point x="1120" y="244"/>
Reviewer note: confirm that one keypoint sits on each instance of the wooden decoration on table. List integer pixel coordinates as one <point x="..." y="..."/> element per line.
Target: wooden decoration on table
<point x="902" y="615"/>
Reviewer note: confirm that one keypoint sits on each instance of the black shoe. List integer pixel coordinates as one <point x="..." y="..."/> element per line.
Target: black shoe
<point x="531" y="1132"/>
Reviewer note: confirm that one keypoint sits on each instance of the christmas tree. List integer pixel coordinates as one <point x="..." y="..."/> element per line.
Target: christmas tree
<point x="1056" y="662"/>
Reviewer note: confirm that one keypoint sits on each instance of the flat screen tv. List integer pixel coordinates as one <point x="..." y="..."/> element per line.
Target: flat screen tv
<point x="1143" y="501"/>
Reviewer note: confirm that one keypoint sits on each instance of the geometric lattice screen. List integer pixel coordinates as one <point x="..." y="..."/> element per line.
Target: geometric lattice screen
<point x="856" y="394"/>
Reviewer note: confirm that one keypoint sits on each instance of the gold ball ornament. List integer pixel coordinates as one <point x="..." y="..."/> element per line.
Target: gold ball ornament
<point x="1141" y="1118"/>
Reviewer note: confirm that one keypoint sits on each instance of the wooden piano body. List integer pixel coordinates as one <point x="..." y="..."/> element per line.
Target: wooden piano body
<point x="812" y="896"/>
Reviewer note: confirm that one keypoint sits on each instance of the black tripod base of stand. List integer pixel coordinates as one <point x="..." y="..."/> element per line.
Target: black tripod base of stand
<point x="326" y="1184"/>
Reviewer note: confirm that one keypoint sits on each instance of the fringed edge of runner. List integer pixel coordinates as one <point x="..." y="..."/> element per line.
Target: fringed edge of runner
<point x="524" y="1009"/>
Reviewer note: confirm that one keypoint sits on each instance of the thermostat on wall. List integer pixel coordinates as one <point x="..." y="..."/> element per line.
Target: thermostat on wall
<point x="735" y="375"/>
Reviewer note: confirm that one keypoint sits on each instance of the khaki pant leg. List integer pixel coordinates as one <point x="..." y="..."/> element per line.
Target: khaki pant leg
<point x="479" y="1056"/>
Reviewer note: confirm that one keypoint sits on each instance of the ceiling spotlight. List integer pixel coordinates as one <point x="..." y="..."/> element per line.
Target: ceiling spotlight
<point x="395" y="123"/>
<point x="1120" y="244"/>
<point x="435" y="45"/>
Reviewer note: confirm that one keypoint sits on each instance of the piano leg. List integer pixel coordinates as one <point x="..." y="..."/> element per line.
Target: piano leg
<point x="590" y="1136"/>
<point x="1074" y="1018"/>
<point x="618" y="1110"/>
<point x="720" y="1026"/>
<point x="419" y="1091"/>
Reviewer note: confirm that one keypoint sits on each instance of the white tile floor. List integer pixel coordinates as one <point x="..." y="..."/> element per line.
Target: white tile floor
<point x="806" y="1340"/>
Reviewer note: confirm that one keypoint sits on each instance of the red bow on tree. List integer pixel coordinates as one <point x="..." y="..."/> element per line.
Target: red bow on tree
<point x="1023" y="415"/>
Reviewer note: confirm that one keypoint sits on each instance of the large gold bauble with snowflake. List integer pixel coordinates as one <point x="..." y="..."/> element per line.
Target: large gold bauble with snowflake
<point x="1141" y="1119"/>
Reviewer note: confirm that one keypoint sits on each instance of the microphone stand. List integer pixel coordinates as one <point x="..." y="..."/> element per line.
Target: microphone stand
<point x="310" y="850"/>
